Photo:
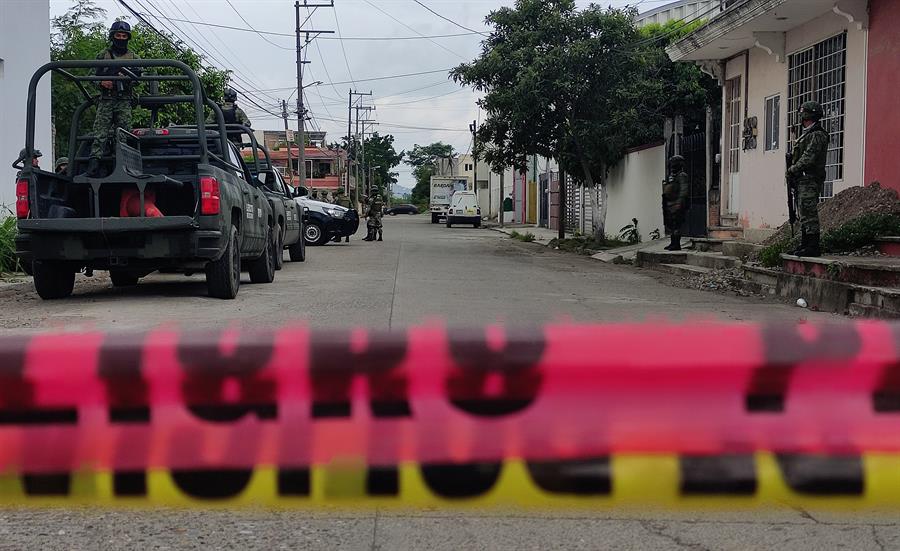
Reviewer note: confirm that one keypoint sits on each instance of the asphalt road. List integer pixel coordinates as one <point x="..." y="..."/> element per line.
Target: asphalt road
<point x="422" y="272"/>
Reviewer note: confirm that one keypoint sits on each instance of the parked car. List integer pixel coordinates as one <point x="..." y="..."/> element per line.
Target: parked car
<point x="464" y="209"/>
<point x="167" y="199"/>
<point x="326" y="221"/>
<point x="402" y="209"/>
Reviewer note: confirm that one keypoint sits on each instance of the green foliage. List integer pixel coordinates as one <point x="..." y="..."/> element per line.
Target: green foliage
<point x="380" y="153"/>
<point x="770" y="257"/>
<point x="81" y="33"/>
<point x="8" y="260"/>
<point x="860" y="232"/>
<point x="526" y="237"/>
<point x="586" y="245"/>
<point x="630" y="233"/>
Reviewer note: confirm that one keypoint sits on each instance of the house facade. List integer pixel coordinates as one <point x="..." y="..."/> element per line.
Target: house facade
<point x="24" y="46"/>
<point x="325" y="168"/>
<point x="770" y="56"/>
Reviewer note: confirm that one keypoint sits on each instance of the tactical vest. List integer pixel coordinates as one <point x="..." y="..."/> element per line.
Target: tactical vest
<point x="121" y="88"/>
<point x="229" y="113"/>
<point x="803" y="143"/>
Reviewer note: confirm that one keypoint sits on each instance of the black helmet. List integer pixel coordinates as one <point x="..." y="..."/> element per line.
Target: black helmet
<point x="23" y="154"/>
<point x="230" y="95"/>
<point x="676" y="160"/>
<point x="120" y="27"/>
<point x="811" y="110"/>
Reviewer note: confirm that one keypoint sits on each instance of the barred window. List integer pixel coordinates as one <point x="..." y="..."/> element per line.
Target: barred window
<point x="733" y="106"/>
<point x="819" y="74"/>
<point x="773" y="122"/>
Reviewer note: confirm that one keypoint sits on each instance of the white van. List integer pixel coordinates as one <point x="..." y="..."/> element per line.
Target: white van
<point x="464" y="209"/>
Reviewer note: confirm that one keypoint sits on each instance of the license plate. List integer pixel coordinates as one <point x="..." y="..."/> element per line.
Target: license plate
<point x="470" y="211"/>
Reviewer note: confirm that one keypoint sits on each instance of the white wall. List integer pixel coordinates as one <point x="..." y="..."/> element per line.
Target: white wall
<point x="634" y="190"/>
<point x="762" y="200"/>
<point x="24" y="46"/>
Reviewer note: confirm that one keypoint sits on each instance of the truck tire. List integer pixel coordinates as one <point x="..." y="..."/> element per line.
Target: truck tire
<point x="279" y="247"/>
<point x="314" y="234"/>
<point x="123" y="278"/>
<point x="434" y="218"/>
<point x="477" y="224"/>
<point x="223" y="276"/>
<point x="262" y="270"/>
<point x="298" y="250"/>
<point x="449" y="223"/>
<point x="53" y="280"/>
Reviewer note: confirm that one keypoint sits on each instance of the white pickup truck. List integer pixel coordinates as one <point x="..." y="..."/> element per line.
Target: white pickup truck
<point x="442" y="189"/>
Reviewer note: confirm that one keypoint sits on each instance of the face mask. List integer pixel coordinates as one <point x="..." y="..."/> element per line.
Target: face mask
<point x="120" y="46"/>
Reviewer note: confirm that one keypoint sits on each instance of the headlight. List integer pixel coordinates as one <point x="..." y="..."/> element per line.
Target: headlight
<point x="335" y="213"/>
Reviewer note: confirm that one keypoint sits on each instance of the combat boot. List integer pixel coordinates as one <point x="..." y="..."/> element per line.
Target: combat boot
<point x="811" y="248"/>
<point x="804" y="243"/>
<point x="675" y="245"/>
<point x="380" y="234"/>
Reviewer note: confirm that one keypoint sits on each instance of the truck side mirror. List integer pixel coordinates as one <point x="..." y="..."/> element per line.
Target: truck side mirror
<point x="300" y="191"/>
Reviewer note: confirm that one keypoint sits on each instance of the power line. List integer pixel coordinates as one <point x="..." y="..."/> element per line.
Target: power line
<point x="261" y="35"/>
<point x="450" y="20"/>
<point x="387" y="77"/>
<point x="438" y="44"/>
<point x="337" y="24"/>
<point x="291" y="35"/>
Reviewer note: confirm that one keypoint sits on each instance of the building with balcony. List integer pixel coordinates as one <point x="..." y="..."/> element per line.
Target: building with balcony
<point x="770" y="56"/>
<point x="325" y="168"/>
<point x="681" y="10"/>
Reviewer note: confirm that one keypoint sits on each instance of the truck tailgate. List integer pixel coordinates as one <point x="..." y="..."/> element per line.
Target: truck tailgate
<point x="107" y="225"/>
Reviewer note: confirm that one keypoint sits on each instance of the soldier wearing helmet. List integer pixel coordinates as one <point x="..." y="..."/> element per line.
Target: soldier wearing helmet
<point x="35" y="158"/>
<point x="116" y="96"/>
<point x="374" y="225"/>
<point x="62" y="165"/>
<point x="676" y="189"/>
<point x="807" y="173"/>
<point x="232" y="115"/>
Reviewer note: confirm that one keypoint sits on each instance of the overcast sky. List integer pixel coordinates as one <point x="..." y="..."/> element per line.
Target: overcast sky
<point x="268" y="63"/>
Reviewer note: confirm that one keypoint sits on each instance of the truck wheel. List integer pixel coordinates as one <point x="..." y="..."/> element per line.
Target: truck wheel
<point x="434" y="218"/>
<point x="477" y="224"/>
<point x="223" y="276"/>
<point x="314" y="234"/>
<point x="298" y="250"/>
<point x="53" y="279"/>
<point x="262" y="270"/>
<point x="279" y="248"/>
<point x="449" y="224"/>
<point x="123" y="278"/>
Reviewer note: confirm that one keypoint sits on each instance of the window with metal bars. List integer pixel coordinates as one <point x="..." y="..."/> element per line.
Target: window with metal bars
<point x="819" y="73"/>
<point x="733" y="105"/>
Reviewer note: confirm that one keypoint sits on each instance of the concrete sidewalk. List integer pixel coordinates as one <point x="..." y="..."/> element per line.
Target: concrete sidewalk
<point x="542" y="236"/>
<point x="619" y="255"/>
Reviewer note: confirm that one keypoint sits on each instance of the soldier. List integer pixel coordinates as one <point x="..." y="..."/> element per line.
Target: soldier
<point x="807" y="173"/>
<point x="35" y="159"/>
<point x="676" y="189"/>
<point x="341" y="200"/>
<point x="62" y="165"/>
<point x="314" y="195"/>
<point x="114" y="105"/>
<point x="232" y="115"/>
<point x="373" y="219"/>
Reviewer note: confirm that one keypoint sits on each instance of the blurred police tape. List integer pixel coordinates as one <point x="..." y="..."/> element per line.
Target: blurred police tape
<point x="568" y="414"/>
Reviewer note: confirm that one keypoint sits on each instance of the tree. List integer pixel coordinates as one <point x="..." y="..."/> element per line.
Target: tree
<point x="380" y="153"/>
<point x="81" y="33"/>
<point x="425" y="162"/>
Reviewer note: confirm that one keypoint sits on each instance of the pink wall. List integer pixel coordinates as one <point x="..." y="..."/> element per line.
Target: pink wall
<point x="883" y="110"/>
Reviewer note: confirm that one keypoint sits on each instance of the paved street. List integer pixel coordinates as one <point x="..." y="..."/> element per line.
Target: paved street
<point x="421" y="272"/>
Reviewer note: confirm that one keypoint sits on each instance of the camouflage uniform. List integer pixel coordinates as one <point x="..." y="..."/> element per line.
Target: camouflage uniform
<point x="373" y="219"/>
<point x="232" y="115"/>
<point x="676" y="190"/>
<point x="113" y="107"/>
<point x="343" y="200"/>
<point x="807" y="173"/>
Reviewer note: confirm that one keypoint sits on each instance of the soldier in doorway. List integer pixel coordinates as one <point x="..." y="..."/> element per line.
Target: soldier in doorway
<point x="807" y="173"/>
<point x="676" y="190"/>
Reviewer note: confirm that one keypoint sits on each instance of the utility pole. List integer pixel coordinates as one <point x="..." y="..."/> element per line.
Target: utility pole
<point x="301" y="110"/>
<point x="352" y="139"/>
<point x="362" y="146"/>
<point x="287" y="141"/>
<point x="363" y="155"/>
<point x="473" y="128"/>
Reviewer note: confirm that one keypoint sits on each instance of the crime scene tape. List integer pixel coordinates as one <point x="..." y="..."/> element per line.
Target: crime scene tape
<point x="577" y="415"/>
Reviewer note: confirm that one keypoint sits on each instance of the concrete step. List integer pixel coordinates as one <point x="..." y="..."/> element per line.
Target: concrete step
<point x="762" y="276"/>
<point x="649" y="259"/>
<point x="888" y="245"/>
<point x="725" y="232"/>
<point x="712" y="260"/>
<point x="705" y="244"/>
<point x="871" y="271"/>
<point x="683" y="270"/>
<point x="857" y="310"/>
<point x="740" y="249"/>
<point x="884" y="298"/>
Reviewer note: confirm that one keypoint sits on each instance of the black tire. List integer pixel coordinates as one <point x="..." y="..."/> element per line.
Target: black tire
<point x="279" y="246"/>
<point x="26" y="267"/>
<point x="477" y="224"/>
<point x="435" y="218"/>
<point x="298" y="251"/>
<point x="223" y="276"/>
<point x="449" y="224"/>
<point x="123" y="278"/>
<point x="262" y="270"/>
<point x="392" y="213"/>
<point x="53" y="280"/>
<point x="314" y="234"/>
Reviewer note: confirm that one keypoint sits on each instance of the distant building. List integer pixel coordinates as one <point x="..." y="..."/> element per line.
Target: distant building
<point x="682" y="9"/>
<point x="24" y="46"/>
<point x="325" y="168"/>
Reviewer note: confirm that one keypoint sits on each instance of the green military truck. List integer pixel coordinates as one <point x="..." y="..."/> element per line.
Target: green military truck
<point x="172" y="199"/>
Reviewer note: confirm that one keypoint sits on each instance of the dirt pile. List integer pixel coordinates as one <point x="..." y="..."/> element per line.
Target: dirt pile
<point x="846" y="206"/>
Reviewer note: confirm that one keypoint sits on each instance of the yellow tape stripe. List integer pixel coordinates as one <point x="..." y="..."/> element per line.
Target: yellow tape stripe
<point x="638" y="480"/>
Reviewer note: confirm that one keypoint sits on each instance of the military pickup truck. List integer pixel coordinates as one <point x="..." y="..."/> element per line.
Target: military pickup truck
<point x="172" y="199"/>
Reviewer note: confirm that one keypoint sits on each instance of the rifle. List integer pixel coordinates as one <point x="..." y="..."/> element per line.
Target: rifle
<point x="791" y="192"/>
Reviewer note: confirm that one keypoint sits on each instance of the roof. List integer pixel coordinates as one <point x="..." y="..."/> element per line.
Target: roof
<point x="311" y="152"/>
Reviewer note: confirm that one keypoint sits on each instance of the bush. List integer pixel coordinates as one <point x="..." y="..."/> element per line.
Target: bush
<point x="770" y="257"/>
<point x="860" y="232"/>
<point x="525" y="237"/>
<point x="8" y="260"/>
